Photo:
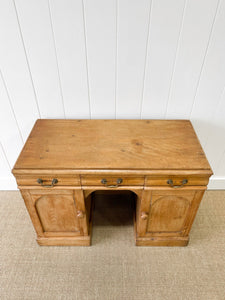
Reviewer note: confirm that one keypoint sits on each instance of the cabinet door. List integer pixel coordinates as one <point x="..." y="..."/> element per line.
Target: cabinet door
<point x="56" y="212"/>
<point x="167" y="212"/>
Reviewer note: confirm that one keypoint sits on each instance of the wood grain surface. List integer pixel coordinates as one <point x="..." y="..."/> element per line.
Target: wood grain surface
<point x="113" y="144"/>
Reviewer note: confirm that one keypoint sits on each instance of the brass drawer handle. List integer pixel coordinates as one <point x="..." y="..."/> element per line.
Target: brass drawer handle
<point x="41" y="182"/>
<point x="183" y="182"/>
<point x="119" y="181"/>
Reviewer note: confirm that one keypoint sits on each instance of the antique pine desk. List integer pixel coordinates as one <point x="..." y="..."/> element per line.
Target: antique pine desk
<point x="64" y="161"/>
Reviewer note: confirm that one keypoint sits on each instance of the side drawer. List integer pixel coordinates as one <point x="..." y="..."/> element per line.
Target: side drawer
<point x="176" y="181"/>
<point x="111" y="180"/>
<point x="43" y="180"/>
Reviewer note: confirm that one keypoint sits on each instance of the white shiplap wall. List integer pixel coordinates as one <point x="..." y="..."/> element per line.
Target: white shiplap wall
<point x="112" y="59"/>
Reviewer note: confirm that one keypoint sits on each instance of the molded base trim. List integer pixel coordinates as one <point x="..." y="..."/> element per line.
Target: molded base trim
<point x="65" y="241"/>
<point x="162" y="241"/>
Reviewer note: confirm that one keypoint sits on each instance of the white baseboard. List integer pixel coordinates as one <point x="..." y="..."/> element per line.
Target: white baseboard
<point x="8" y="183"/>
<point x="215" y="183"/>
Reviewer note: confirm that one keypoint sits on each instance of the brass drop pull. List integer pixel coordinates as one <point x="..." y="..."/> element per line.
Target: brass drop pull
<point x="119" y="181"/>
<point x="183" y="182"/>
<point x="144" y="215"/>
<point x="41" y="182"/>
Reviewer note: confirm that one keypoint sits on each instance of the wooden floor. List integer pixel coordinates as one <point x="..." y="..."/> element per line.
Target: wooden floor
<point x="113" y="268"/>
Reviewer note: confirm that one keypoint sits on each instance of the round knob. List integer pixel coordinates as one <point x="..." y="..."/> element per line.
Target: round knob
<point x="80" y="214"/>
<point x="119" y="181"/>
<point x="39" y="180"/>
<point x="144" y="216"/>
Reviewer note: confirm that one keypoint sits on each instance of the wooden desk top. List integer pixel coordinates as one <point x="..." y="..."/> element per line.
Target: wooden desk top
<point x="112" y="145"/>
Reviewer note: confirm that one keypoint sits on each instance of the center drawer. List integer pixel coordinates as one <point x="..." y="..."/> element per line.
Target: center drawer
<point x="111" y="180"/>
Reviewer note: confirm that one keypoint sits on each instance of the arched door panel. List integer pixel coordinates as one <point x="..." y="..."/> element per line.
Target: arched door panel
<point x="167" y="212"/>
<point x="57" y="213"/>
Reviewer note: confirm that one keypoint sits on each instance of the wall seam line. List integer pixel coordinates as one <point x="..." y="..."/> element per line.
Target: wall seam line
<point x="204" y="58"/>
<point x="56" y="57"/>
<point x="6" y="158"/>
<point x="11" y="106"/>
<point x="27" y="61"/>
<point x="146" y="56"/>
<point x="175" y="59"/>
<point x="86" y="56"/>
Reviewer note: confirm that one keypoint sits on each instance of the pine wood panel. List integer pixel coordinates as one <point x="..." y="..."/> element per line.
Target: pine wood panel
<point x="59" y="216"/>
<point x="57" y="213"/>
<point x="115" y="144"/>
<point x="167" y="213"/>
<point x="53" y="212"/>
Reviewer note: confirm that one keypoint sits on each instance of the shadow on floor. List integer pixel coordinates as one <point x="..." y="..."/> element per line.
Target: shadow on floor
<point x="113" y="208"/>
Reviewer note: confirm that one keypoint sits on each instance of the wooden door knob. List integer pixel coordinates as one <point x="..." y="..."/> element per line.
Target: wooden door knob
<point x="80" y="214"/>
<point x="144" y="216"/>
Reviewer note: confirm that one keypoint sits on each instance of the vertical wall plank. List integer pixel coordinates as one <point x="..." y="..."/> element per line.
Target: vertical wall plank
<point x="10" y="136"/>
<point x="4" y="166"/>
<point x="220" y="170"/>
<point x="14" y="67"/>
<point x="7" y="182"/>
<point x="68" y="28"/>
<point x="212" y="79"/>
<point x="34" y="18"/>
<point x="133" y="22"/>
<point x="165" y="23"/>
<point x="198" y="21"/>
<point x="100" y="24"/>
<point x="215" y="145"/>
